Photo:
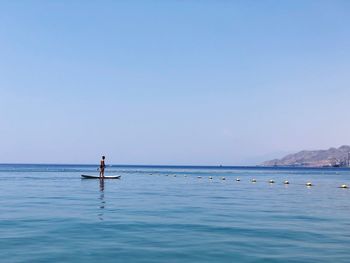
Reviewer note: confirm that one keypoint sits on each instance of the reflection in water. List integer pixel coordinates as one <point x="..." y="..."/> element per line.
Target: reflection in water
<point x="102" y="199"/>
<point x="102" y="184"/>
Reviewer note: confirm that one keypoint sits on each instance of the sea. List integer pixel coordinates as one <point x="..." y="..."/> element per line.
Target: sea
<point x="173" y="214"/>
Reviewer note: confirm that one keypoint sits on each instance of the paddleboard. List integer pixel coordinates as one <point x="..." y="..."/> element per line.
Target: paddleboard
<point x="84" y="176"/>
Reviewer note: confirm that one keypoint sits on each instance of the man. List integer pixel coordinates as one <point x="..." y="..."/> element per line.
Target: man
<point x="102" y="167"/>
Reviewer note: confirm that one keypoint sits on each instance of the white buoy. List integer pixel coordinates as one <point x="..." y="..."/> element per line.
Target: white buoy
<point x="344" y="186"/>
<point x="237" y="179"/>
<point x="286" y="182"/>
<point x="253" y="180"/>
<point x="271" y="181"/>
<point x="308" y="184"/>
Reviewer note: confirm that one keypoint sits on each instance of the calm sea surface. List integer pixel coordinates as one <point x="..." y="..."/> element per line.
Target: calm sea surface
<point x="167" y="214"/>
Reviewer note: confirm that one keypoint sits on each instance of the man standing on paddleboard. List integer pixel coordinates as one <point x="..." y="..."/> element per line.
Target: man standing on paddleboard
<point x="102" y="167"/>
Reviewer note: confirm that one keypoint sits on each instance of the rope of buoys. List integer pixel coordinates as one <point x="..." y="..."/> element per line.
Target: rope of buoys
<point x="271" y="181"/>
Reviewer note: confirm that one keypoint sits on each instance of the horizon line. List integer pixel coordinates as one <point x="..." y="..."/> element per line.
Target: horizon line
<point x="181" y="166"/>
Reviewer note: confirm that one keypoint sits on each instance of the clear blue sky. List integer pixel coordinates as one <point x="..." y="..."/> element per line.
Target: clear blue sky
<point x="172" y="82"/>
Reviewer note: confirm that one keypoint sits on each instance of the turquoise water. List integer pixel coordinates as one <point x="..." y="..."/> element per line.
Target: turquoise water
<point x="48" y="214"/>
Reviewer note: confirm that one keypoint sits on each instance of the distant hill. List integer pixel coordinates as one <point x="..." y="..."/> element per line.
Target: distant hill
<point x="333" y="157"/>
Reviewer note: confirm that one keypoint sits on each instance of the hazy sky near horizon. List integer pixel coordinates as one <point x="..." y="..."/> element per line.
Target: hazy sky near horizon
<point x="172" y="82"/>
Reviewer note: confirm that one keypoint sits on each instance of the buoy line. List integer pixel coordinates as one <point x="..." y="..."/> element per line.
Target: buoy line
<point x="271" y="181"/>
